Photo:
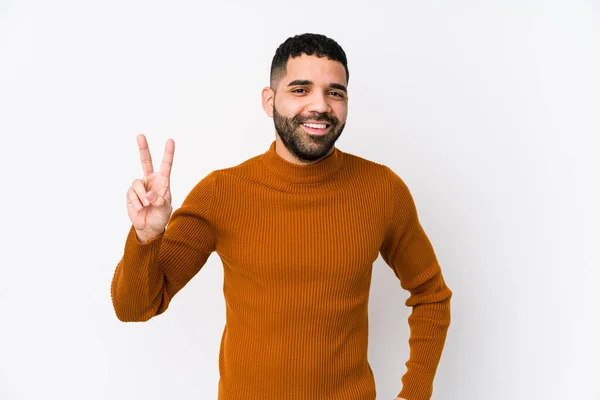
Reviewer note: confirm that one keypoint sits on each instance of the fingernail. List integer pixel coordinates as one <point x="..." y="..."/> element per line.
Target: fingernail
<point x="146" y="202"/>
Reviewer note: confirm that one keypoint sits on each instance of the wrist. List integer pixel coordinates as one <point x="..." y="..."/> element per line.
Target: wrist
<point x="145" y="236"/>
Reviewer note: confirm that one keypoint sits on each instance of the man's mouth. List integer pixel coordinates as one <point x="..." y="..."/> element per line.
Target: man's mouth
<point x="316" y="128"/>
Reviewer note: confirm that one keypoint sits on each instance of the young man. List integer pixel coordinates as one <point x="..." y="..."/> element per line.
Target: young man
<point x="297" y="229"/>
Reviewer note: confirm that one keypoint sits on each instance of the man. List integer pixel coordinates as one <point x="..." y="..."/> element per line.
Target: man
<point x="297" y="229"/>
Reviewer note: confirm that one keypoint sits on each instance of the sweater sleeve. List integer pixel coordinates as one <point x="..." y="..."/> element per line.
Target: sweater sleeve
<point x="409" y="253"/>
<point x="150" y="274"/>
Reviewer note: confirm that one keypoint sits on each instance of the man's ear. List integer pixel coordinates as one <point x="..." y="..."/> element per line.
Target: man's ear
<point x="268" y="97"/>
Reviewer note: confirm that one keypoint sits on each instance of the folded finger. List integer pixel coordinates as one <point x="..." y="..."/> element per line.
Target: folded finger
<point x="133" y="199"/>
<point x="140" y="190"/>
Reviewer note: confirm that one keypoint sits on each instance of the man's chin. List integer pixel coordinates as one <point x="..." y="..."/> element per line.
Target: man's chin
<point x="317" y="152"/>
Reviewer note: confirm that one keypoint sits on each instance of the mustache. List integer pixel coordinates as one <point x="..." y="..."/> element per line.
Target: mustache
<point x="298" y="119"/>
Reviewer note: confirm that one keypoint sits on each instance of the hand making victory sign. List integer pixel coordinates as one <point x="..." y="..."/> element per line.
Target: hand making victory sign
<point x="149" y="199"/>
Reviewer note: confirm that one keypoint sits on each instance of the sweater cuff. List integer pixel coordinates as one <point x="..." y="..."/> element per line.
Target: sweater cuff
<point x="132" y="237"/>
<point x="139" y="255"/>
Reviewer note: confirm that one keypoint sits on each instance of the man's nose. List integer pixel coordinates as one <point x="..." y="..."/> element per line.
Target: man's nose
<point x="318" y="103"/>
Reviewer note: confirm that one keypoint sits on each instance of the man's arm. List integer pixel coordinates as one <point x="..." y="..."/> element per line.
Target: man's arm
<point x="151" y="273"/>
<point x="409" y="253"/>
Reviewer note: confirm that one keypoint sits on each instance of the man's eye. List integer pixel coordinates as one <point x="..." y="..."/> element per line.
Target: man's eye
<point x="297" y="90"/>
<point x="338" y="94"/>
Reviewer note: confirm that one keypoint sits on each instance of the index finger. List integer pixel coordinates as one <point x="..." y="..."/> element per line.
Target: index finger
<point x="167" y="161"/>
<point x="145" y="155"/>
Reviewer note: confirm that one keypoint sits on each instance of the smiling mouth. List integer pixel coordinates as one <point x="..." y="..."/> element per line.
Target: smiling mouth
<point x="316" y="125"/>
<point x="316" y="128"/>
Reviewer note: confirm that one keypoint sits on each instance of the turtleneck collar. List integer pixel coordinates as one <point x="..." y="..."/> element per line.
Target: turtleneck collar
<point x="308" y="173"/>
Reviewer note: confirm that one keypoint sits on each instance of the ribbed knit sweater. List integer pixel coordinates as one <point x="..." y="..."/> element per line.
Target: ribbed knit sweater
<point x="297" y="244"/>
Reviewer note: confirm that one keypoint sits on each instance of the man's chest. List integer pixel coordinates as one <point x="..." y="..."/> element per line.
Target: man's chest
<point x="316" y="238"/>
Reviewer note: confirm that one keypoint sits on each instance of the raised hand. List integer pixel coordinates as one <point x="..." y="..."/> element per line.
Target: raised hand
<point x="149" y="199"/>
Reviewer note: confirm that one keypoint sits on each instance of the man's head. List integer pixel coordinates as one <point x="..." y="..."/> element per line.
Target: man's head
<point x="308" y="84"/>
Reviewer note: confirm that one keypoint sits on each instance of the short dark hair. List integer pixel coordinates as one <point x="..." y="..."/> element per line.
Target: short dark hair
<point x="309" y="44"/>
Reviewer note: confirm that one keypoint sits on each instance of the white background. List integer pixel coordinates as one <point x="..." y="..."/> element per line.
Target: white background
<point x="489" y="110"/>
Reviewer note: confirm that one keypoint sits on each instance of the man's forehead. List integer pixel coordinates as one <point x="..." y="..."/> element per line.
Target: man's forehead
<point x="313" y="67"/>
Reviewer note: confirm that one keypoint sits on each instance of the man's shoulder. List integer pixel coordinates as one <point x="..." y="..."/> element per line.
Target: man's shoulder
<point x="242" y="169"/>
<point x="357" y="160"/>
<point x="219" y="178"/>
<point x="356" y="163"/>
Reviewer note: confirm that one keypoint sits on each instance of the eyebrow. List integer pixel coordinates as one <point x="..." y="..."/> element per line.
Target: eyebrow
<point x="306" y="82"/>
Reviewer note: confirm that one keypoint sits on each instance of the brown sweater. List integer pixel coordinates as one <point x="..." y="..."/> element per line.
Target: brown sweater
<point x="297" y="243"/>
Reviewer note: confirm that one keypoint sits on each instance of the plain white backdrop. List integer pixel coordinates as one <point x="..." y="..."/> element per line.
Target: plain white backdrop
<point x="489" y="110"/>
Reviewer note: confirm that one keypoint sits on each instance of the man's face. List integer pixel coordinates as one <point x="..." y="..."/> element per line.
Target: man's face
<point x="310" y="106"/>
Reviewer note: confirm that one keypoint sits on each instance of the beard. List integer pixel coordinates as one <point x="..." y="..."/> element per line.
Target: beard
<point x="300" y="143"/>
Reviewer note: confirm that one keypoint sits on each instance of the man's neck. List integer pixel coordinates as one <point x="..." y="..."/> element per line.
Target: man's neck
<point x="284" y="153"/>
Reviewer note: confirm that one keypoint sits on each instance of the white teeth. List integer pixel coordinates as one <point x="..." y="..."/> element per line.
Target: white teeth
<point x="316" y="126"/>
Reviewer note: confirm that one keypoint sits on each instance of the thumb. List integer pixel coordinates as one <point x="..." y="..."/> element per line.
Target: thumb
<point x="155" y="199"/>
